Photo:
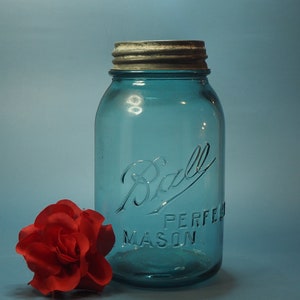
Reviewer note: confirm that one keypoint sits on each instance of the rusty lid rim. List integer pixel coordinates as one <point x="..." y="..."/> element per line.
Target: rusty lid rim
<point x="160" y="54"/>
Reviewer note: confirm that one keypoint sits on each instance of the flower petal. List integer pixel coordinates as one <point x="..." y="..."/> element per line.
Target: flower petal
<point x="84" y="247"/>
<point x="41" y="260"/>
<point x="65" y="281"/>
<point x="26" y="231"/>
<point x="106" y="239"/>
<point x="90" y="224"/>
<point x="87" y="284"/>
<point x="100" y="270"/>
<point x="76" y="210"/>
<point x="27" y="240"/>
<point x="67" y="249"/>
<point x="40" y="283"/>
<point x="60" y="219"/>
<point x="64" y="207"/>
<point x="99" y="274"/>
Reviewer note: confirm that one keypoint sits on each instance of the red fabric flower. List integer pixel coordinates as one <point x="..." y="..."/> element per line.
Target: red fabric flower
<point x="66" y="249"/>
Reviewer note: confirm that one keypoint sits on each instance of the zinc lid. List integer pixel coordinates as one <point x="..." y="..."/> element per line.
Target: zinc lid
<point x="160" y="55"/>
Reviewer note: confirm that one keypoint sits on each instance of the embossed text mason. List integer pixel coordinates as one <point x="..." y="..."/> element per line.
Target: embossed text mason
<point x="159" y="164"/>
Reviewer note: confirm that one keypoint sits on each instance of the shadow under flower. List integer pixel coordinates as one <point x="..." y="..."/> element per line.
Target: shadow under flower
<point x="27" y="292"/>
<point x="213" y="288"/>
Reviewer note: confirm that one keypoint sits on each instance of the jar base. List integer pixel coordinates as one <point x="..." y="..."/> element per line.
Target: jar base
<point x="150" y="267"/>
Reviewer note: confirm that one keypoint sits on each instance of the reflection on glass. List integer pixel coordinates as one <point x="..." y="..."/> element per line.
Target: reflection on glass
<point x="135" y="104"/>
<point x="139" y="83"/>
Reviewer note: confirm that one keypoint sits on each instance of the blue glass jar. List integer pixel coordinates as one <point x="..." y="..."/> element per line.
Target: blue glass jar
<point x="159" y="164"/>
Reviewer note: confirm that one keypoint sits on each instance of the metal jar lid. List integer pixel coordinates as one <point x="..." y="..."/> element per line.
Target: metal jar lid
<point x="160" y="55"/>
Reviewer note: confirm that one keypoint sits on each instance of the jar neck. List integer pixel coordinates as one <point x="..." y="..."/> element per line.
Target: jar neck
<point x="176" y="74"/>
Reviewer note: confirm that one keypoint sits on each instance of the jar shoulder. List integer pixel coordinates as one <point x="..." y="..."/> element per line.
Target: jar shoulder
<point x="161" y="92"/>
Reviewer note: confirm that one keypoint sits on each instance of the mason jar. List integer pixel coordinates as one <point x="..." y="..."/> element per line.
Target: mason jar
<point x="159" y="164"/>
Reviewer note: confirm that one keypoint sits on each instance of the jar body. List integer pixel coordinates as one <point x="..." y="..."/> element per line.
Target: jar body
<point x="159" y="176"/>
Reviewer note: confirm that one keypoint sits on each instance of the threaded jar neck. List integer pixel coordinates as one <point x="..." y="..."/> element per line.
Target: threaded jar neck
<point x="159" y="55"/>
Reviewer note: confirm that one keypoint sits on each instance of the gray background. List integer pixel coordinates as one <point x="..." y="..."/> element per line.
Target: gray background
<point x="54" y="59"/>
